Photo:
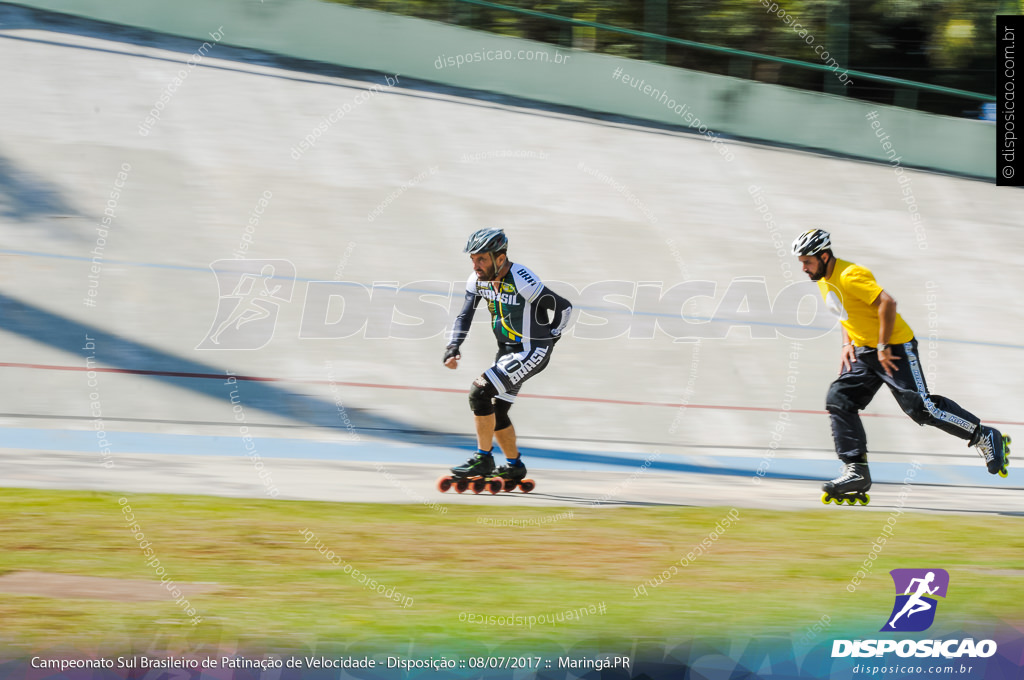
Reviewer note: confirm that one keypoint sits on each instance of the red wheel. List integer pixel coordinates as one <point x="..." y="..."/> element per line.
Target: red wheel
<point x="444" y="484"/>
<point x="495" y="486"/>
<point x="527" y="485"/>
<point x="461" y="485"/>
<point x="478" y="485"/>
<point x="510" y="485"/>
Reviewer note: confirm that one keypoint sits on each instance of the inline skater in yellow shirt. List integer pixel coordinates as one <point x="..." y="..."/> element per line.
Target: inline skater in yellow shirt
<point x="878" y="348"/>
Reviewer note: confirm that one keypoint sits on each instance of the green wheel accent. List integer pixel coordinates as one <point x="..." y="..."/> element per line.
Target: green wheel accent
<point x="1003" y="473"/>
<point x="825" y="499"/>
<point x="867" y="499"/>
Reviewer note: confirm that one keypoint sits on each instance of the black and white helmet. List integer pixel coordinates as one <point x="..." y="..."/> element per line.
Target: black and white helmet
<point x="491" y="240"/>
<point x="812" y="242"/>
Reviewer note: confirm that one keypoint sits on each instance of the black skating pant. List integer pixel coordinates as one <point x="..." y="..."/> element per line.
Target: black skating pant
<point x="853" y="390"/>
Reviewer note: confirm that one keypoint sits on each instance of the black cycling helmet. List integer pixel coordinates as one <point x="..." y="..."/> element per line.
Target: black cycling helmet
<point x="812" y="242"/>
<point x="491" y="240"/>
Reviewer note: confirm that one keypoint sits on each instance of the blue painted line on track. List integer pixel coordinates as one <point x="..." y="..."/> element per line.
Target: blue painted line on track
<point x="629" y="463"/>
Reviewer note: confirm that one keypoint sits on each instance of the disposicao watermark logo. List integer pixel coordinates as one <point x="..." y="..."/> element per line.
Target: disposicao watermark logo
<point x="251" y="294"/>
<point x="914" y="610"/>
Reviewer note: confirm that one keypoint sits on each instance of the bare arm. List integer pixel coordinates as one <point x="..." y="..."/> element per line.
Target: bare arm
<point x="847" y="356"/>
<point x="886" y="306"/>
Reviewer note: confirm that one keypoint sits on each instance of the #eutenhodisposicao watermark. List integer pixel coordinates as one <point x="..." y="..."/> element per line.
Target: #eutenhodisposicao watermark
<point x="680" y="108"/>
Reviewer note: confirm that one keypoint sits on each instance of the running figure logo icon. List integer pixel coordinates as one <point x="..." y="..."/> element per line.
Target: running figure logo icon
<point x="914" y="610"/>
<point x="251" y="294"/>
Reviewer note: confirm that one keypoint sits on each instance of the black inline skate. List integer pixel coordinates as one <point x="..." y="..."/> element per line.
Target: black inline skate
<point x="851" y="486"/>
<point x="511" y="476"/>
<point x="472" y="474"/>
<point x="994" y="447"/>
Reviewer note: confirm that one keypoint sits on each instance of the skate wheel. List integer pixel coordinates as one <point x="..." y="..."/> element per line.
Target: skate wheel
<point x="825" y="498"/>
<point x="444" y="484"/>
<point x="495" y="486"/>
<point x="478" y="485"/>
<point x="461" y="485"/>
<point x="510" y="485"/>
<point x="527" y="485"/>
<point x="1003" y="473"/>
<point x="866" y="499"/>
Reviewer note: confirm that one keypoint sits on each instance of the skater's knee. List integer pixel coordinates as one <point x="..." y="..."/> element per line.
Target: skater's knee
<point x="481" y="397"/>
<point x="836" y="401"/>
<point x="914" y="406"/>
<point x="501" y="419"/>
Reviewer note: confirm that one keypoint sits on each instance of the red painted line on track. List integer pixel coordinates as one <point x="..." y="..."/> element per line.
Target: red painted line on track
<point x="415" y="388"/>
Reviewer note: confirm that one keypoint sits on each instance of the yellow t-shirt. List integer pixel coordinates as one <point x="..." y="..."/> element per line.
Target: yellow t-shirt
<point x="849" y="293"/>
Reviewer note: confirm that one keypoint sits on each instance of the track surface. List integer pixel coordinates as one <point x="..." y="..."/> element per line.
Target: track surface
<point x="388" y="194"/>
<point x="413" y="484"/>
